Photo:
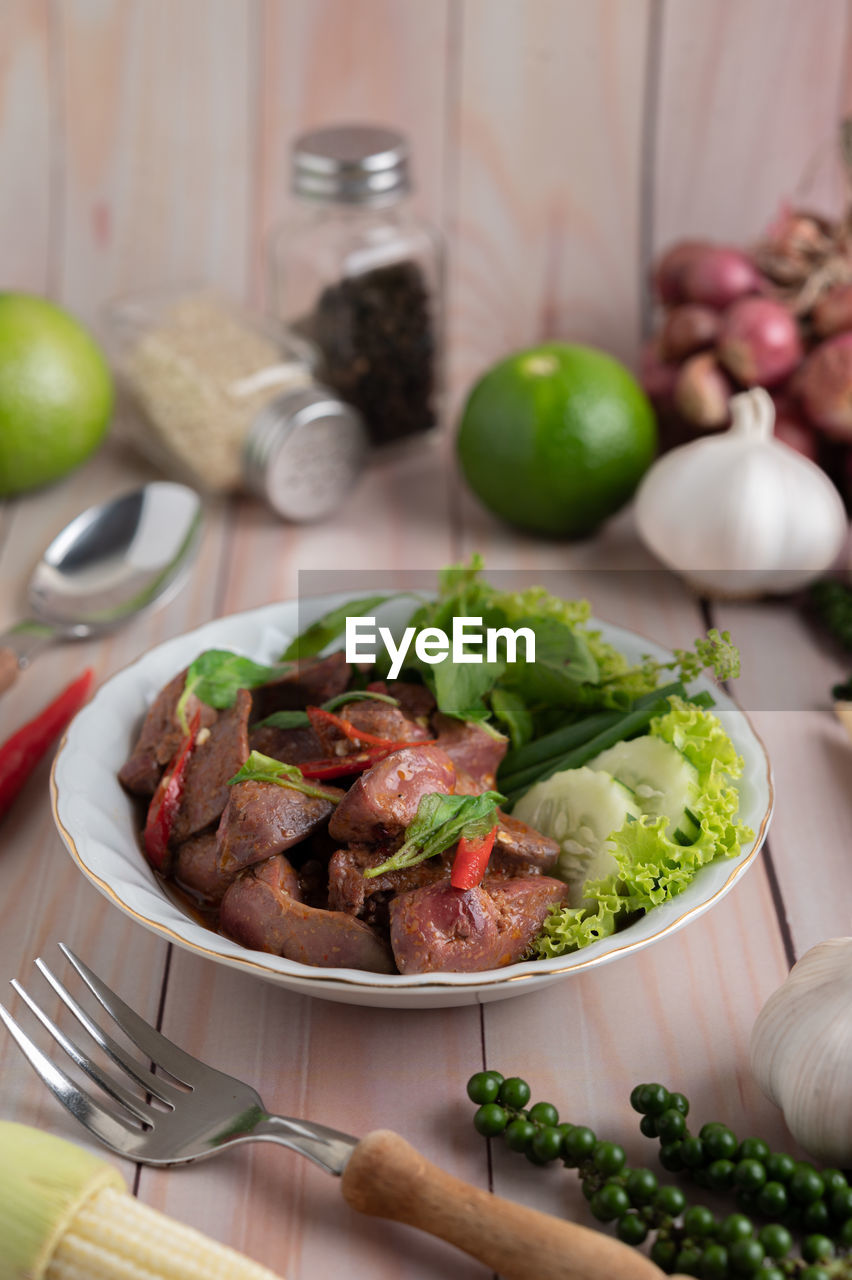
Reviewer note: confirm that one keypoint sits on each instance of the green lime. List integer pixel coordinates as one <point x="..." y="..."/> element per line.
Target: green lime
<point x="556" y="438"/>
<point x="56" y="393"/>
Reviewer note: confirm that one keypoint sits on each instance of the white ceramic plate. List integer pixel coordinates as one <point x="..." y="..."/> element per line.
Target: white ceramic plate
<point x="97" y="823"/>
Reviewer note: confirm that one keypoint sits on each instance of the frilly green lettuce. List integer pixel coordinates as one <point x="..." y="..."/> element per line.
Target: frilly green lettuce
<point x="652" y="868"/>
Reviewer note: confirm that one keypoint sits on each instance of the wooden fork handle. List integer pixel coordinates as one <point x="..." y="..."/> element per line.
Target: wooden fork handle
<point x="388" y="1178"/>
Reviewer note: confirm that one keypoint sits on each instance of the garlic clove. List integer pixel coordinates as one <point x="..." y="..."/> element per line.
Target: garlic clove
<point x="740" y="513"/>
<point x="801" y="1051"/>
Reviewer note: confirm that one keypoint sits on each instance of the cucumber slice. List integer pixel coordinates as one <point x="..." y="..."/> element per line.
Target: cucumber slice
<point x="580" y="809"/>
<point x="662" y="779"/>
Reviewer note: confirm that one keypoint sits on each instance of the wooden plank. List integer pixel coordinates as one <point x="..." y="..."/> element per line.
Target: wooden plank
<point x="27" y="103"/>
<point x="330" y="62"/>
<point x="158" y="160"/>
<point x="548" y="164"/>
<point x="788" y="672"/>
<point x="352" y="1068"/>
<point x="679" y="1012"/>
<point x="43" y="897"/>
<point x="749" y="96"/>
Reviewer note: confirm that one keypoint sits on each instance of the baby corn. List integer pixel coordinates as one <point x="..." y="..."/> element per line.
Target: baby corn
<point x="66" y="1215"/>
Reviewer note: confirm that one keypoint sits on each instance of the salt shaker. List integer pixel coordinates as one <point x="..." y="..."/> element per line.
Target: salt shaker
<point x="360" y="275"/>
<point x="228" y="403"/>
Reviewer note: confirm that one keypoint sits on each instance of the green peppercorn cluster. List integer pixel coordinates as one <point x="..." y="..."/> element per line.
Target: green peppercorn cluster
<point x="688" y="1239"/>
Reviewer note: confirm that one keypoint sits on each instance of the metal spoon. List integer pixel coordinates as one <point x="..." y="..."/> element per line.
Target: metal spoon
<point x="105" y="567"/>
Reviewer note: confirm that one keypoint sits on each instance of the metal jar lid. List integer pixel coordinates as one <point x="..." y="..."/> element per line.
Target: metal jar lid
<point x="303" y="452"/>
<point x="355" y="164"/>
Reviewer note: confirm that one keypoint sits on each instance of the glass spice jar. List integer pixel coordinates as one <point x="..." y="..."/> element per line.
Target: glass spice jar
<point x="361" y="276"/>
<point x="226" y="402"/>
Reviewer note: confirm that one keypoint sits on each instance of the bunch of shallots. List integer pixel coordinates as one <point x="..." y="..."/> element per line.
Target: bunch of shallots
<point x="778" y="316"/>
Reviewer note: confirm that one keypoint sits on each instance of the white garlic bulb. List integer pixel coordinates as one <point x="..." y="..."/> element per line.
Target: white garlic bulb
<point x="740" y="513"/>
<point x="801" y="1051"/>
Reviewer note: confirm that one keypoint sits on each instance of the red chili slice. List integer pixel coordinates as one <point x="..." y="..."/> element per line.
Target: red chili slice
<point x="165" y="802"/>
<point x="471" y="860"/>
<point x="20" y="754"/>
<point x="321" y="718"/>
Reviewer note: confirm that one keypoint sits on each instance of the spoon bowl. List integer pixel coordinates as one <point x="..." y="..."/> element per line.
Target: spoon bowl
<point x="105" y="567"/>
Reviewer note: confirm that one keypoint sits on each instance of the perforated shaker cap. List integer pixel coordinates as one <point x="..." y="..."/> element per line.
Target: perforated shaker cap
<point x="304" y="452"/>
<point x="352" y="163"/>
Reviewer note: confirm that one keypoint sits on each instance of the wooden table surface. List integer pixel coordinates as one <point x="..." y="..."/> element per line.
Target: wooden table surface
<point x="679" y="1011"/>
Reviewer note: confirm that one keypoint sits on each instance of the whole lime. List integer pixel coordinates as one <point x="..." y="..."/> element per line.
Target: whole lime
<point x="56" y="393"/>
<point x="555" y="439"/>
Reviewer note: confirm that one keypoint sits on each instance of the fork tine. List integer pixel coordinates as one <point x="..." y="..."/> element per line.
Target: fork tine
<point x="155" y="1085"/>
<point x="116" y="1091"/>
<point x="161" y="1051"/>
<point x="109" y="1129"/>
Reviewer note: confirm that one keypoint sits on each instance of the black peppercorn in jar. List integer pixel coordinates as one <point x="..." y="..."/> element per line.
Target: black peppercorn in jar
<point x="360" y="276"/>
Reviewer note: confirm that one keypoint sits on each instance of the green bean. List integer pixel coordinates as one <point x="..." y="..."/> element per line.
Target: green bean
<point x="628" y="726"/>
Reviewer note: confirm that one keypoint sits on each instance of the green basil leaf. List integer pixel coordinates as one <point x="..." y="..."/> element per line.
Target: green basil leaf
<point x="216" y="676"/>
<point x="331" y="625"/>
<point x="439" y="822"/>
<point x="511" y="710"/>
<point x="284" y="720"/>
<point x="261" y="768"/>
<point x="300" y="719"/>
<point x="358" y="695"/>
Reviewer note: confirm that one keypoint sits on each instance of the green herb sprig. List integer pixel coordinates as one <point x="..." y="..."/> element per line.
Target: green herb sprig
<point x="261" y="768"/>
<point x="439" y="822"/>
<point x="217" y="675"/>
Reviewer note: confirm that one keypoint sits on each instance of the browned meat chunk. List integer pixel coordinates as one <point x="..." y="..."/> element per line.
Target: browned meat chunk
<point x="160" y="737"/>
<point x="379" y="719"/>
<point x="310" y="683"/>
<point x="261" y="910"/>
<point x="261" y="819"/>
<point x="385" y="721"/>
<point x="349" y="890"/>
<point x="196" y="867"/>
<point x="471" y="748"/>
<point x="384" y="799"/>
<point x="519" y="850"/>
<point x="439" y="928"/>
<point x="416" y="700"/>
<point x="214" y="759"/>
<point x="293" y="746"/>
<point x="522" y="904"/>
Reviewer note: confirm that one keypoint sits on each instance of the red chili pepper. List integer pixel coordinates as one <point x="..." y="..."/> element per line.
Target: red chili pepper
<point x="320" y="718"/>
<point x="165" y="802"/>
<point x="20" y="754"/>
<point x="340" y="766"/>
<point x="471" y="860"/>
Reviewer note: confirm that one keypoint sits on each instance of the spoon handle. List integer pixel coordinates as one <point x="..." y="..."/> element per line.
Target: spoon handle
<point x="18" y="646"/>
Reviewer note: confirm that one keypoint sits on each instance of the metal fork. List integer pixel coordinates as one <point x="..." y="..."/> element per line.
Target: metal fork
<point x="381" y="1174"/>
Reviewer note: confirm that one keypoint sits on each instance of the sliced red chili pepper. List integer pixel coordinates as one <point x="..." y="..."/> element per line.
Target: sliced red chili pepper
<point x="165" y="802"/>
<point x="320" y="718"/>
<point x="340" y="766"/>
<point x="20" y="754"/>
<point x="471" y="860"/>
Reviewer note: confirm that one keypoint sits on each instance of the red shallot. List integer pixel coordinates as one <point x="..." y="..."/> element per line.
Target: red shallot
<point x="719" y="276"/>
<point x="688" y="328"/>
<point x="702" y="391"/>
<point x="669" y="269"/>
<point x="824" y="386"/>
<point x="759" y="342"/>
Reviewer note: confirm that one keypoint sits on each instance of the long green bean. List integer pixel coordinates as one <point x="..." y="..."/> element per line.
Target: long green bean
<point x="526" y="762"/>
<point x="629" y="725"/>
